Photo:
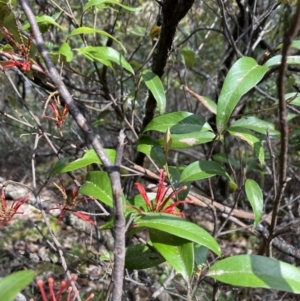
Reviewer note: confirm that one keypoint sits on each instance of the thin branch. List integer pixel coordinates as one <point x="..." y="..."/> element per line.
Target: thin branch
<point x="288" y="38"/>
<point x="113" y="171"/>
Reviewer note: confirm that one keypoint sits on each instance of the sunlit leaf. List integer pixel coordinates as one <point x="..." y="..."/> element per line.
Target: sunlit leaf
<point x="242" y="76"/>
<point x="179" y="227"/>
<point x="102" y="54"/>
<point x="257" y="271"/>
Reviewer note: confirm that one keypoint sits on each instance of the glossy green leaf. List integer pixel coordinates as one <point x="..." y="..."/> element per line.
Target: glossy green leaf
<point x="202" y="169"/>
<point x="66" y="51"/>
<point x="190" y="139"/>
<point x="257" y="271"/>
<point x="255" y="197"/>
<point x="255" y="124"/>
<point x="150" y="147"/>
<point x="89" y="30"/>
<point x="12" y="284"/>
<point x="88" y="158"/>
<point x="101" y="2"/>
<point x="276" y="60"/>
<point x="251" y="139"/>
<point x="179" y="227"/>
<point x="154" y="84"/>
<point x="242" y="77"/>
<point x="178" y="252"/>
<point x="102" y="54"/>
<point x="141" y="257"/>
<point x="179" y="123"/>
<point x="98" y="185"/>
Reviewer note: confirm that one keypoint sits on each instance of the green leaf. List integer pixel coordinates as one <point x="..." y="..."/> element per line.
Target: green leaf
<point x="179" y="123"/>
<point x="242" y="77"/>
<point x="155" y="85"/>
<point x="141" y="257"/>
<point x="178" y="252"/>
<point x="45" y="21"/>
<point x="276" y="60"/>
<point x="202" y="169"/>
<point x="103" y="54"/>
<point x="179" y="227"/>
<point x="201" y="253"/>
<point x="257" y="271"/>
<point x="295" y="45"/>
<point x="59" y="165"/>
<point x="88" y="158"/>
<point x="101" y="2"/>
<point x="89" y="30"/>
<point x="12" y="284"/>
<point x="98" y="185"/>
<point x="255" y="124"/>
<point x="190" y="139"/>
<point x="292" y="98"/>
<point x="252" y="140"/>
<point x="66" y="51"/>
<point x="189" y="57"/>
<point x="255" y="197"/>
<point x="150" y="147"/>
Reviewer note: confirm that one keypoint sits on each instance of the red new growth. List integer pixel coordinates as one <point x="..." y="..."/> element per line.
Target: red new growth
<point x="71" y="204"/>
<point x="19" y="59"/>
<point x="161" y="203"/>
<point x="64" y="287"/>
<point x="8" y="212"/>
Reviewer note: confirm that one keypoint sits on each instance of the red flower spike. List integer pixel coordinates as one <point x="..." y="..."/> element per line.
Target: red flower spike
<point x="63" y="286"/>
<point x="40" y="285"/>
<point x="6" y="213"/>
<point x="161" y="202"/>
<point x="143" y="193"/>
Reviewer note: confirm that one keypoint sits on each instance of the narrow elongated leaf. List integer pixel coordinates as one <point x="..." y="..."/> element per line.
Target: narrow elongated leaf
<point x="59" y="165"/>
<point x="276" y="60"/>
<point x="179" y="123"/>
<point x="251" y="139"/>
<point x="255" y="124"/>
<point x="89" y="30"/>
<point x="242" y="77"/>
<point x="102" y="53"/>
<point x="255" y="197"/>
<point x="89" y="157"/>
<point x="141" y="257"/>
<point x="179" y="227"/>
<point x="152" y="148"/>
<point x="98" y="185"/>
<point x="178" y="252"/>
<point x="257" y="271"/>
<point x="11" y="285"/>
<point x="202" y="169"/>
<point x="101" y="2"/>
<point x="154" y="84"/>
